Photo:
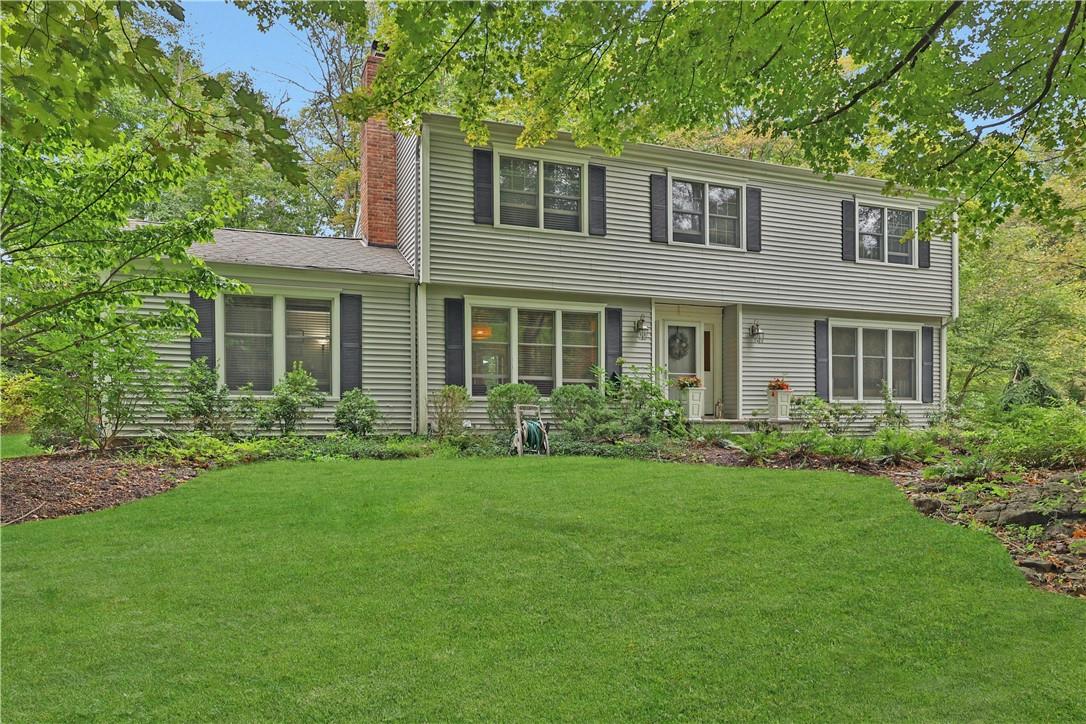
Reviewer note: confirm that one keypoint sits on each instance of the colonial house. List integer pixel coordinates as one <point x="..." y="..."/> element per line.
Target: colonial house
<point x="481" y="266"/>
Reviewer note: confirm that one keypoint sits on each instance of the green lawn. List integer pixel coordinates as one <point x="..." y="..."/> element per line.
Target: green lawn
<point x="578" y="589"/>
<point x="17" y="445"/>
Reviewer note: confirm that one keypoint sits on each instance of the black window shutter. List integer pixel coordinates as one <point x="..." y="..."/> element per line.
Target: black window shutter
<point x="754" y="219"/>
<point x="658" y="207"/>
<point x="613" y="340"/>
<point x="597" y="200"/>
<point x="350" y="342"/>
<point x="822" y="358"/>
<point x="484" y="186"/>
<point x="927" y="364"/>
<point x="454" y="341"/>
<point x="204" y="345"/>
<point x="848" y="230"/>
<point x="923" y="246"/>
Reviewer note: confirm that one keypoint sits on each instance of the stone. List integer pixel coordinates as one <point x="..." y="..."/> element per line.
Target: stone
<point x="1037" y="564"/>
<point x="931" y="486"/>
<point x="990" y="513"/>
<point x="1032" y="575"/>
<point x="1022" y="514"/>
<point x="927" y="504"/>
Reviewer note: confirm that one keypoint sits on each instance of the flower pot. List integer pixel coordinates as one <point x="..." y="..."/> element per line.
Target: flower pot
<point x="693" y="398"/>
<point x="779" y="403"/>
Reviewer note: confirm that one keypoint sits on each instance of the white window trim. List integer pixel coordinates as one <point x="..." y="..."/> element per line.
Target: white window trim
<point x="701" y="178"/>
<point x="513" y="305"/>
<point x="885" y="206"/>
<point x="859" y="325"/>
<point x="540" y="157"/>
<point x="279" y="297"/>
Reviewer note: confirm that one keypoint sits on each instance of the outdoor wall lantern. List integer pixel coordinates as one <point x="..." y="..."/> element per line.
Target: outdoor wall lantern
<point x="756" y="332"/>
<point x="642" y="328"/>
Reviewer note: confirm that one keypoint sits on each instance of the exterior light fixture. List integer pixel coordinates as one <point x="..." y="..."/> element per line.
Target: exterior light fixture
<point x="642" y="328"/>
<point x="756" y="332"/>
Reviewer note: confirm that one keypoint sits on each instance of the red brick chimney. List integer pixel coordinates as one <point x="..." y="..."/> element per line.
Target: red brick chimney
<point x="377" y="170"/>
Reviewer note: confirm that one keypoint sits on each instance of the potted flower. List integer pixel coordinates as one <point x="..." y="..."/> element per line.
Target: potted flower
<point x="693" y="394"/>
<point x="780" y="399"/>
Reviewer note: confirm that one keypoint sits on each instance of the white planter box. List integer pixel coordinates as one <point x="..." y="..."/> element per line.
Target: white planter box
<point x="780" y="402"/>
<point x="693" y="399"/>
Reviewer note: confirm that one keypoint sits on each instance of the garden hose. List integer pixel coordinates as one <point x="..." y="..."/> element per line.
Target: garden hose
<point x="533" y="435"/>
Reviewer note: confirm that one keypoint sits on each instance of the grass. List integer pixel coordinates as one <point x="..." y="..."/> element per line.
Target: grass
<point x="17" y="445"/>
<point x="515" y="589"/>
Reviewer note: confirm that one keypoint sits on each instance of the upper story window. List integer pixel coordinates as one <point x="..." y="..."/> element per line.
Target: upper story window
<point x="864" y="360"/>
<point x="521" y="195"/>
<point x="264" y="336"/>
<point x="886" y="234"/>
<point x="545" y="347"/>
<point x="705" y="213"/>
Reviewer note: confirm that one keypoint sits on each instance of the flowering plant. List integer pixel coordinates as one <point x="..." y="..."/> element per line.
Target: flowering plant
<point x="685" y="383"/>
<point x="779" y="383"/>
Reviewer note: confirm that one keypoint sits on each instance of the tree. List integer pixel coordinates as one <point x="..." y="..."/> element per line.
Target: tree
<point x="1023" y="292"/>
<point x="946" y="95"/>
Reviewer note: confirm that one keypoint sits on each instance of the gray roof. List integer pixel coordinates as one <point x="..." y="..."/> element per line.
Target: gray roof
<point x="295" y="251"/>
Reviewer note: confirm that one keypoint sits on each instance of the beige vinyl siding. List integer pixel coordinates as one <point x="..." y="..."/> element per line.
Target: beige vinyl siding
<point x="386" y="341"/>
<point x="788" y="352"/>
<point x="634" y="351"/>
<point x="799" y="266"/>
<point x="408" y="207"/>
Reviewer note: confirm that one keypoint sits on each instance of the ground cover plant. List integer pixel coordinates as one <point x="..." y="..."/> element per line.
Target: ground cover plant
<point x="545" y="588"/>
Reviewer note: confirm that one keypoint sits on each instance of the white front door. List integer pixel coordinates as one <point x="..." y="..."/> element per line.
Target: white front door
<point x="684" y="346"/>
<point x="687" y="347"/>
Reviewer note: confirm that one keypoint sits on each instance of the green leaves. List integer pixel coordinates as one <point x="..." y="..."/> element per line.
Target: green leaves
<point x="943" y="96"/>
<point x="62" y="60"/>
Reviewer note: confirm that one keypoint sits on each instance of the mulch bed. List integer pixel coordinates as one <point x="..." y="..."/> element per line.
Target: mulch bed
<point x="50" y="486"/>
<point x="1039" y="519"/>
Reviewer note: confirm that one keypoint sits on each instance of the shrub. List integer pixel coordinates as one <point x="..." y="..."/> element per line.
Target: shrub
<point x="1039" y="436"/>
<point x="643" y="406"/>
<point x="834" y="419"/>
<point x="356" y="413"/>
<point x="88" y="394"/>
<point x="204" y="449"/>
<point x="1026" y="389"/>
<point x="892" y="415"/>
<point x="569" y="401"/>
<point x="16" y="400"/>
<point x="895" y="445"/>
<point x="204" y="403"/>
<point x="962" y="469"/>
<point x="502" y="399"/>
<point x="449" y="404"/>
<point x="290" y="403"/>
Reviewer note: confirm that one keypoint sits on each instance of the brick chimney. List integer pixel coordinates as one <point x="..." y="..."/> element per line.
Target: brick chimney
<point x="377" y="170"/>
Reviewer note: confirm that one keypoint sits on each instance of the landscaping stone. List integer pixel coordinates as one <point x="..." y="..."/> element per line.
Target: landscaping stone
<point x="1037" y="564"/>
<point x="1023" y="514"/>
<point x="990" y="513"/>
<point x="927" y="504"/>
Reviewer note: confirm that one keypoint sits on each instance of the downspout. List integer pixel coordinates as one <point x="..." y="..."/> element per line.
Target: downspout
<point x="944" y="331"/>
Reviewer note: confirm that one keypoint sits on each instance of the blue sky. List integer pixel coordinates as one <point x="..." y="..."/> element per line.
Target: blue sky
<point x="227" y="39"/>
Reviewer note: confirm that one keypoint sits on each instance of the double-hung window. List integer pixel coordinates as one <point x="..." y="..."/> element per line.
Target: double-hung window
<point x="885" y="234"/>
<point x="264" y="336"/>
<point x="555" y="202"/>
<point x="248" y="343"/>
<point x="534" y="343"/>
<point x="706" y="213"/>
<point x="309" y="338"/>
<point x="865" y="360"/>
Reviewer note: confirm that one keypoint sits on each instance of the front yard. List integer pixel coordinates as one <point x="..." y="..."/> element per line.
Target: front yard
<point x="570" y="588"/>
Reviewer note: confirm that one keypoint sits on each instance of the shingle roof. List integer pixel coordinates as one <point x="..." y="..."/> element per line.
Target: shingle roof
<point x="294" y="251"/>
